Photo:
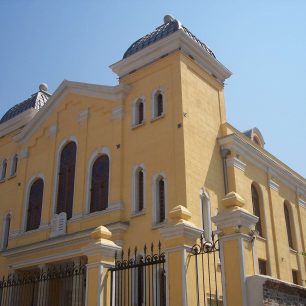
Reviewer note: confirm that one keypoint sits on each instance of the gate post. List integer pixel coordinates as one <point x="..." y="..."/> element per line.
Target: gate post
<point x="236" y="234"/>
<point x="100" y="255"/>
<point x="180" y="235"/>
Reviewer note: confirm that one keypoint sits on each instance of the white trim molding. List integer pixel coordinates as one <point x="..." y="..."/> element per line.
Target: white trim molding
<point x="110" y="93"/>
<point x="301" y="202"/>
<point x="24" y="153"/>
<point x="237" y="163"/>
<point x="263" y="160"/>
<point x="273" y="185"/>
<point x="117" y="112"/>
<point x="84" y="115"/>
<point x="236" y="218"/>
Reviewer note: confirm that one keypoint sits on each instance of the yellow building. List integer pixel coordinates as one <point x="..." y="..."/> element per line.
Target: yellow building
<point x="92" y="170"/>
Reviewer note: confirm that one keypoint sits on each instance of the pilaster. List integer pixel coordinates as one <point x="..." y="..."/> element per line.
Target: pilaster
<point x="180" y="235"/>
<point x="100" y="255"/>
<point x="236" y="235"/>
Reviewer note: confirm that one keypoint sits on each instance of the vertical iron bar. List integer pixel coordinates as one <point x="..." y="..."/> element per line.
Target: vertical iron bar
<point x="216" y="278"/>
<point x="209" y="281"/>
<point x="111" y="289"/>
<point x="197" y="280"/>
<point x="204" y="292"/>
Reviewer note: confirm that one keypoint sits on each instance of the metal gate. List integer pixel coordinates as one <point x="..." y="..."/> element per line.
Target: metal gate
<point x="139" y="278"/>
<point x="60" y="285"/>
<point x="205" y="257"/>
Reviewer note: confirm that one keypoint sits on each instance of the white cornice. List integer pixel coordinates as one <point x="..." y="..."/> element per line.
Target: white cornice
<point x="302" y="203"/>
<point x="50" y="243"/>
<point x="263" y="160"/>
<point x="235" y="218"/>
<point x="112" y="93"/>
<point x="176" y="41"/>
<point x="182" y="229"/>
<point x="237" y="163"/>
<point x="273" y="185"/>
<point x="17" y="122"/>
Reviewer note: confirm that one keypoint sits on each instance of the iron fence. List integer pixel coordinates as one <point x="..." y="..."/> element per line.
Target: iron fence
<point x="60" y="285"/>
<point x="139" y="279"/>
<point x="207" y="278"/>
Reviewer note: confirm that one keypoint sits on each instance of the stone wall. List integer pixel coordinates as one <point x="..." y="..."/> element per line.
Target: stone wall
<point x="267" y="291"/>
<point x="279" y="293"/>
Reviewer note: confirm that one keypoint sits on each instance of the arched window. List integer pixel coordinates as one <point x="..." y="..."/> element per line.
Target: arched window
<point x="160" y="199"/>
<point x="288" y="225"/>
<point x="66" y="179"/>
<point x="14" y="165"/>
<point x="256" y="209"/>
<point x="138" y="192"/>
<point x="99" y="184"/>
<point x="138" y="111"/>
<point x="35" y="205"/>
<point x="6" y="231"/>
<point x="158" y="104"/>
<point x="3" y="169"/>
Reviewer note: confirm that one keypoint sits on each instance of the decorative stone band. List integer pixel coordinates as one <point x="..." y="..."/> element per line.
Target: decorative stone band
<point x="52" y="130"/>
<point x="237" y="163"/>
<point x="302" y="203"/>
<point x="83" y="115"/>
<point x="24" y="153"/>
<point x="273" y="185"/>
<point x="117" y="112"/>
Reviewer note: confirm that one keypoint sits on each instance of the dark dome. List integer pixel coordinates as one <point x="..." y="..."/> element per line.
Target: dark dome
<point x="161" y="32"/>
<point x="36" y="101"/>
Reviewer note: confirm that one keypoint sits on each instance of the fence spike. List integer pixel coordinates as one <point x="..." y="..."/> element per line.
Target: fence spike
<point x="159" y="247"/>
<point x="129" y="253"/>
<point x="135" y="253"/>
<point x="152" y="248"/>
<point x="145" y="250"/>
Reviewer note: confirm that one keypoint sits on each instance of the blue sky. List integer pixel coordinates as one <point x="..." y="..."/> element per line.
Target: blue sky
<point x="262" y="42"/>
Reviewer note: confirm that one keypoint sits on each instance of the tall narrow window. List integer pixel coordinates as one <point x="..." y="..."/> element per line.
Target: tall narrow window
<point x="256" y="209"/>
<point x="6" y="231"/>
<point x="35" y="205"/>
<point x="3" y="169"/>
<point x="66" y="180"/>
<point x="14" y="165"/>
<point x="161" y="200"/>
<point x="288" y="225"/>
<point x="138" y="192"/>
<point x="138" y="111"/>
<point x="158" y="104"/>
<point x="99" y="184"/>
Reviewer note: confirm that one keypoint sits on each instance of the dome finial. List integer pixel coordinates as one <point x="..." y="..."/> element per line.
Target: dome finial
<point x="168" y="18"/>
<point x="43" y="87"/>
